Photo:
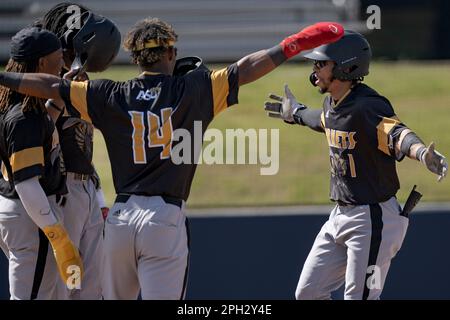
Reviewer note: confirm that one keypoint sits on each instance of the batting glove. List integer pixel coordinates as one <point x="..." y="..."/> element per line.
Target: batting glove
<point x="434" y="161"/>
<point x="285" y="107"/>
<point x="68" y="260"/>
<point x="310" y="37"/>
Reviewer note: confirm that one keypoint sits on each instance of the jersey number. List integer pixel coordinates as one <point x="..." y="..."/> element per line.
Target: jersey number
<point x="339" y="165"/>
<point x="160" y="133"/>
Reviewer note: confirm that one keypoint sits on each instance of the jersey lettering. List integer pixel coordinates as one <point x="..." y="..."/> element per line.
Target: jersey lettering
<point x="340" y="139"/>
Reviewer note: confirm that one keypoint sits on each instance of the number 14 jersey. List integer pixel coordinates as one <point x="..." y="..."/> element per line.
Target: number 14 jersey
<point x="138" y="119"/>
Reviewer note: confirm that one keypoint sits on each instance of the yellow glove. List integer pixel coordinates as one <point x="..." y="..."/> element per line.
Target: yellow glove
<point x="67" y="257"/>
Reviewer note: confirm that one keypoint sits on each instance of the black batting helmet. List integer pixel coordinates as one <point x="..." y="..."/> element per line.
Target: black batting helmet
<point x="187" y="64"/>
<point x="351" y="54"/>
<point x="95" y="44"/>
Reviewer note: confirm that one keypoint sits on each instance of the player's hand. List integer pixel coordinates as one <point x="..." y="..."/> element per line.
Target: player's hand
<point x="435" y="162"/>
<point x="105" y="212"/>
<point x="68" y="260"/>
<point x="76" y="75"/>
<point x="284" y="107"/>
<point x="81" y="76"/>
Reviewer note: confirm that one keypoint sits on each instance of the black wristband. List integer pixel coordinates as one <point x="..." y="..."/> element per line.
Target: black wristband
<point x="277" y="55"/>
<point x="11" y="80"/>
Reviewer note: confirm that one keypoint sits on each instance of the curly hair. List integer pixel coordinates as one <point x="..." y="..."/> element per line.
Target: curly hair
<point x="162" y="34"/>
<point x="9" y="98"/>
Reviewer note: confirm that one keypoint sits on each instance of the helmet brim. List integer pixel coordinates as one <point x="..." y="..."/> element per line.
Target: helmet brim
<point x="316" y="55"/>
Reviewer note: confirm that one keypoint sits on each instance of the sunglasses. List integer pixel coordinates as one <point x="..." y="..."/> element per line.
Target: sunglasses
<point x="319" y="64"/>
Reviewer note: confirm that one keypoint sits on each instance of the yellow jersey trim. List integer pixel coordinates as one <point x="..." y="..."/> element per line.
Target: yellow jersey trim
<point x="78" y="98"/>
<point x="26" y="158"/>
<point x="220" y="88"/>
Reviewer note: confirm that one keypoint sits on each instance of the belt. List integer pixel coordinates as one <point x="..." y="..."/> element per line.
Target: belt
<point x="79" y="176"/>
<point x="123" y="198"/>
<point x="343" y="204"/>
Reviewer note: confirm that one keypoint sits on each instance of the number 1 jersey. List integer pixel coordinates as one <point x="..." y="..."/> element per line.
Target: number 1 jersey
<point x="361" y="130"/>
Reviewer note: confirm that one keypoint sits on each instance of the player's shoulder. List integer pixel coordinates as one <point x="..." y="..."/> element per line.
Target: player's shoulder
<point x="197" y="80"/>
<point x="196" y="75"/>
<point x="104" y="83"/>
<point x="16" y="114"/>
<point x="371" y="102"/>
<point x="17" y="119"/>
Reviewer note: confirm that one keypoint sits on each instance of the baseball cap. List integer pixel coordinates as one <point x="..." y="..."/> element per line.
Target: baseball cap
<point x="33" y="43"/>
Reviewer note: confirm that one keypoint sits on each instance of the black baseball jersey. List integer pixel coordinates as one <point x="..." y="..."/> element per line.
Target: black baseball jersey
<point x="76" y="139"/>
<point x="29" y="148"/>
<point x="361" y="130"/>
<point x="138" y="119"/>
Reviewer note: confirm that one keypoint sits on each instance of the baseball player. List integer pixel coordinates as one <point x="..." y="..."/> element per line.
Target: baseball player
<point x="31" y="179"/>
<point x="367" y="226"/>
<point x="146" y="238"/>
<point x="83" y="42"/>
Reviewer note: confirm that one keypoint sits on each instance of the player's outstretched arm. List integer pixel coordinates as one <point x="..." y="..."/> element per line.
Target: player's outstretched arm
<point x="258" y="64"/>
<point x="413" y="147"/>
<point x="39" y="85"/>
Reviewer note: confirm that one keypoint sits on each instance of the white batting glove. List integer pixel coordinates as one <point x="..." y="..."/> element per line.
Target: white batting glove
<point x="285" y="107"/>
<point x="434" y="161"/>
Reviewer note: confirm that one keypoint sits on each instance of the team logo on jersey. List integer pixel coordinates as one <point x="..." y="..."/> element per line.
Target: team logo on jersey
<point x="151" y="94"/>
<point x="338" y="165"/>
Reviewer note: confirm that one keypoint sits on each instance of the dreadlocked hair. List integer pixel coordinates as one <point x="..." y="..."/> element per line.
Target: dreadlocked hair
<point x="146" y="30"/>
<point x="55" y="20"/>
<point x="9" y="98"/>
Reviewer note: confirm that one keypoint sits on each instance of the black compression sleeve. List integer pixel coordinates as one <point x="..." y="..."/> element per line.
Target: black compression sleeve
<point x="309" y="118"/>
<point x="11" y="80"/>
<point x="277" y="55"/>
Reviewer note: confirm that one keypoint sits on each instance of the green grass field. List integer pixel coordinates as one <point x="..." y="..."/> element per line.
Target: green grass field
<point x="419" y="92"/>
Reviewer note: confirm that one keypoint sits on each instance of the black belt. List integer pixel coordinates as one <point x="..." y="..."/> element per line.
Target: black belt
<point x="343" y="204"/>
<point x="79" y="176"/>
<point x="123" y="198"/>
